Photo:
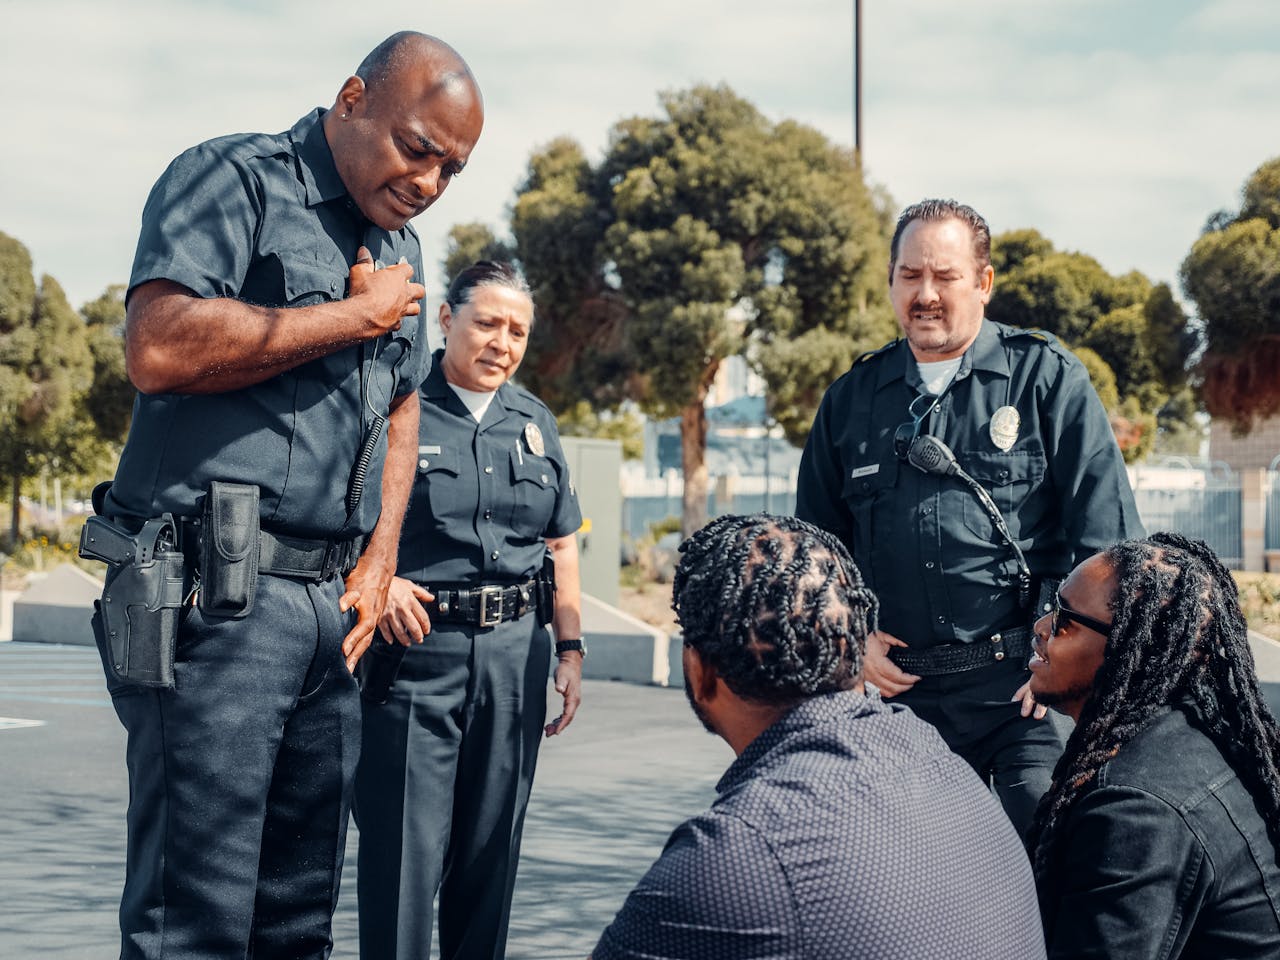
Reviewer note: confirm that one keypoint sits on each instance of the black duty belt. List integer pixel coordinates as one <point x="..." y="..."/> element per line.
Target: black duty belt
<point x="284" y="556"/>
<point x="959" y="657"/>
<point x="483" y="606"/>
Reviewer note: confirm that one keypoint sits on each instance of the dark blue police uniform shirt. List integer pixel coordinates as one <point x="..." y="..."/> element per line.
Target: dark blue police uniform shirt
<point x="846" y="829"/>
<point x="483" y="500"/>
<point x="924" y="543"/>
<point x="266" y="219"/>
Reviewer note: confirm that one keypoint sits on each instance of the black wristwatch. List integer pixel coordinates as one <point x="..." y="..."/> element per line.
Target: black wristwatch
<point x="568" y="646"/>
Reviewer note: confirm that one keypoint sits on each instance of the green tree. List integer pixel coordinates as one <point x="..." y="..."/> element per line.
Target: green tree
<point x="1232" y="274"/>
<point x="581" y="420"/>
<point x="706" y="232"/>
<point x="467" y="243"/>
<point x="45" y="368"/>
<point x="1124" y="325"/>
<point x="109" y="400"/>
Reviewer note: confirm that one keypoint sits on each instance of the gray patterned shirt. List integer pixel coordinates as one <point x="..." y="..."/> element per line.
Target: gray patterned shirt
<point x="847" y="829"/>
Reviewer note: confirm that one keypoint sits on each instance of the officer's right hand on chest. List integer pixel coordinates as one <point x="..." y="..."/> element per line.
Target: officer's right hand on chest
<point x="386" y="295"/>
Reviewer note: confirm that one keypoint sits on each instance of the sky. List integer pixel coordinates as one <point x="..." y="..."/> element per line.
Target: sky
<point x="1115" y="128"/>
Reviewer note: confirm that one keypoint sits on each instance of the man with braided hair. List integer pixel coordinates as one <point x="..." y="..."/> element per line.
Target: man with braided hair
<point x="1160" y="836"/>
<point x="845" y="828"/>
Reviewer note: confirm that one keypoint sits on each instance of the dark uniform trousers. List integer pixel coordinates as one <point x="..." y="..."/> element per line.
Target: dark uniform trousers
<point x="239" y="780"/>
<point x="1013" y="754"/>
<point x="451" y="754"/>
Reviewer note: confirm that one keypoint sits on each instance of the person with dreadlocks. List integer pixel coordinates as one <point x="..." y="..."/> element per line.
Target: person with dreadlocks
<point x="845" y="827"/>
<point x="1160" y="835"/>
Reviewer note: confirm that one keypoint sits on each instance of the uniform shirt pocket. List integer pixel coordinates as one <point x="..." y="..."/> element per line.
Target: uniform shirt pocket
<point x="534" y="482"/>
<point x="1011" y="477"/>
<point x="311" y="283"/>
<point x="437" y="489"/>
<point x="871" y="502"/>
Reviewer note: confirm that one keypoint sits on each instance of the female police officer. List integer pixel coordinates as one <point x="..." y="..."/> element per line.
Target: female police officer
<point x="448" y="758"/>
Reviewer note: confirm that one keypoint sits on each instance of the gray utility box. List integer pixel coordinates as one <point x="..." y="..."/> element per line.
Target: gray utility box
<point x="594" y="466"/>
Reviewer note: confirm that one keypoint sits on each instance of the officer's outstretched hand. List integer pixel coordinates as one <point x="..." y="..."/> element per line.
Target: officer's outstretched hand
<point x="888" y="677"/>
<point x="386" y="296"/>
<point x="366" y="590"/>
<point x="404" y="617"/>
<point x="1028" y="699"/>
<point x="568" y="680"/>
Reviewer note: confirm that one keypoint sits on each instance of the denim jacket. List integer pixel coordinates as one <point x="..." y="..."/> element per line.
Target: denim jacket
<point x="1165" y="857"/>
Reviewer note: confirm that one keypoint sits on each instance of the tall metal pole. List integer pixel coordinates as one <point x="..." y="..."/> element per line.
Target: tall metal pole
<point x="857" y="78"/>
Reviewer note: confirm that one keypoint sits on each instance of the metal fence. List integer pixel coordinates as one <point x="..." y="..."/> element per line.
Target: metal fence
<point x="1211" y="512"/>
<point x="638" y="512"/>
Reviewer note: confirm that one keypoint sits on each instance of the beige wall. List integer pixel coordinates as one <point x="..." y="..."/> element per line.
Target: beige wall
<point x="1255" y="449"/>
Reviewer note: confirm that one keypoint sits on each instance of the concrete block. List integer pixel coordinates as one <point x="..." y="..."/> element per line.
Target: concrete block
<point x="622" y="647"/>
<point x="57" y="608"/>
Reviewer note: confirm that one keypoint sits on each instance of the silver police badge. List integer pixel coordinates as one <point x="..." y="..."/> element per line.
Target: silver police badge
<point x="1004" y="427"/>
<point x="533" y="439"/>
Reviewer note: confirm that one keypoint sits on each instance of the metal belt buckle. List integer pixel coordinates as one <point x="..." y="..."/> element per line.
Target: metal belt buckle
<point x="490" y="595"/>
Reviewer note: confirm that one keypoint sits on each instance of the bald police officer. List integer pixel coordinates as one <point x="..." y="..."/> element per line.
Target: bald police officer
<point x="906" y="450"/>
<point x="277" y="425"/>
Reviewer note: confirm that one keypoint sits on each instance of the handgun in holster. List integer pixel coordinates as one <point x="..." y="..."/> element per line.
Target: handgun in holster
<point x="136" y="621"/>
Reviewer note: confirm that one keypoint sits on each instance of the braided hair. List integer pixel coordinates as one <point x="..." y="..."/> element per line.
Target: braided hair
<point x="775" y="605"/>
<point x="1177" y="634"/>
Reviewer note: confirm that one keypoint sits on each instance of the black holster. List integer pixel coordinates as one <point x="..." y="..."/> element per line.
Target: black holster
<point x="136" y="621"/>
<point x="546" y="598"/>
<point x="376" y="672"/>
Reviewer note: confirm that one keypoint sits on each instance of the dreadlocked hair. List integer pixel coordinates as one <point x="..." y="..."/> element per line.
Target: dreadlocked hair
<point x="775" y="605"/>
<point x="1177" y="634"/>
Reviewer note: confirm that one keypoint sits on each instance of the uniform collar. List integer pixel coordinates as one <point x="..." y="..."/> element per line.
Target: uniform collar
<point x="507" y="399"/>
<point x="985" y="353"/>
<point x="315" y="160"/>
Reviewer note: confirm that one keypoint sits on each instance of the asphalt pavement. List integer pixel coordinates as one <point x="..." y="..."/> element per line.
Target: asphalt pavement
<point x="607" y="794"/>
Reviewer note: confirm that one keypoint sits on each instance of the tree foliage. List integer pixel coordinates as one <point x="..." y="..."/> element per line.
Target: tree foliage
<point x="705" y="232"/>
<point x="625" y="426"/>
<point x="63" y="393"/>
<point x="1232" y="273"/>
<point x="1132" y="335"/>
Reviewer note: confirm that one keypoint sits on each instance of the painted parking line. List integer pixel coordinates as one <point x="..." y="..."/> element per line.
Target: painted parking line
<point x="16" y="723"/>
<point x="70" y="701"/>
<point x="55" y="685"/>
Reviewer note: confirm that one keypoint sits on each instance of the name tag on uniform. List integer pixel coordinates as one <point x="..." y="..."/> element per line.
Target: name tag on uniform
<point x="868" y="470"/>
<point x="428" y="450"/>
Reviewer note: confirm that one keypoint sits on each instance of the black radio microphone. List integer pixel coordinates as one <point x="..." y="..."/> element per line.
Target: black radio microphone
<point x="928" y="454"/>
<point x="931" y="455"/>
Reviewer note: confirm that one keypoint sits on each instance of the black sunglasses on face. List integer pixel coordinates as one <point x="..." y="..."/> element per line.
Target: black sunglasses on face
<point x="1062" y="615"/>
<point x="918" y="411"/>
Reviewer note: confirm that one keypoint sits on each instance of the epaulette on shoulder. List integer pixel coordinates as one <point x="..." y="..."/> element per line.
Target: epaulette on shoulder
<point x="521" y="394"/>
<point x="1034" y="337"/>
<point x="864" y="357"/>
<point x="1031" y="333"/>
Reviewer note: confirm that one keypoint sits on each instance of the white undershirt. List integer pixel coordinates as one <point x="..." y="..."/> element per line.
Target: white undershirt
<point x="938" y="374"/>
<point x="475" y="401"/>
